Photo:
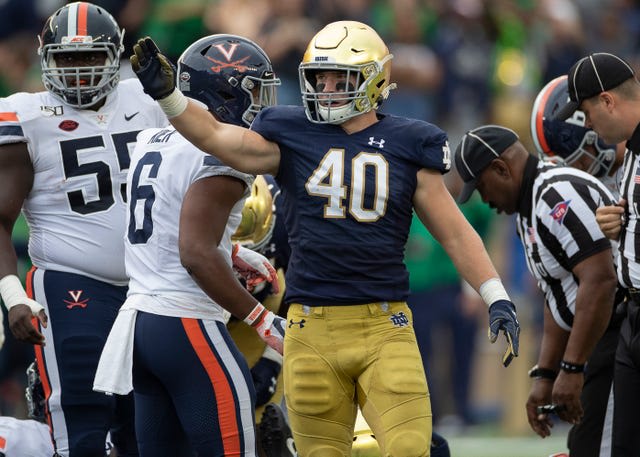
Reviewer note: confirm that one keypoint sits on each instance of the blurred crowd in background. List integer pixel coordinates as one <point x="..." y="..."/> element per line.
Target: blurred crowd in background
<point x="458" y="64"/>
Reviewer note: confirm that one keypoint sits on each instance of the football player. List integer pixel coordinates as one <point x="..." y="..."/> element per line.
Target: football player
<point x="350" y="178"/>
<point x="64" y="154"/>
<point x="169" y="342"/>
<point x="569" y="142"/>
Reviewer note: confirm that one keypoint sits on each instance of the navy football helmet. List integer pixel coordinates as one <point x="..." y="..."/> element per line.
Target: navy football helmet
<point x="564" y="141"/>
<point x="74" y="28"/>
<point x="231" y="75"/>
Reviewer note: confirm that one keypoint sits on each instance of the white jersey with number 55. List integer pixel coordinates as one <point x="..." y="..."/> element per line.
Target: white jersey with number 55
<point x="76" y="207"/>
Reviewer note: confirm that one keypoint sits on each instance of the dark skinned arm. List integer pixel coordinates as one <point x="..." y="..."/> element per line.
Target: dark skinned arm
<point x="205" y="211"/>
<point x="16" y="175"/>
<point x="594" y="304"/>
<point x="554" y="341"/>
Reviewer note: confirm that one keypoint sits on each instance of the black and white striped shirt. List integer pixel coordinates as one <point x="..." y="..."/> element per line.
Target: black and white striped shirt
<point x="558" y="229"/>
<point x="629" y="247"/>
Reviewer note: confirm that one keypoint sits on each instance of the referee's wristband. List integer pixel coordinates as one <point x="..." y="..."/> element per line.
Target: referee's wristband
<point x="543" y="373"/>
<point x="571" y="368"/>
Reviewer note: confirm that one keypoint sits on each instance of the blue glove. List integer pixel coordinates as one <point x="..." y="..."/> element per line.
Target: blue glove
<point x="265" y="375"/>
<point x="502" y="316"/>
<point x="156" y="73"/>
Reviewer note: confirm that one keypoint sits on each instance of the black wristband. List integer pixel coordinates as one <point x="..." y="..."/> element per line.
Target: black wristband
<point x="569" y="367"/>
<point x="542" y="373"/>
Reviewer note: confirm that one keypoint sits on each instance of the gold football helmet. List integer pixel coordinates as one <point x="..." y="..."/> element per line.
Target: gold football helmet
<point x="258" y="217"/>
<point x="356" y="49"/>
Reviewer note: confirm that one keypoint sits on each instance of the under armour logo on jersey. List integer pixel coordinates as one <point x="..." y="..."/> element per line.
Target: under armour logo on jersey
<point x="75" y="295"/>
<point x="378" y="144"/>
<point x="399" y="319"/>
<point x="560" y="211"/>
<point x="300" y="323"/>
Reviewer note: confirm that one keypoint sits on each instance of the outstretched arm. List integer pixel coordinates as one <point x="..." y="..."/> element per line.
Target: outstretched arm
<point x="441" y="216"/>
<point x="238" y="147"/>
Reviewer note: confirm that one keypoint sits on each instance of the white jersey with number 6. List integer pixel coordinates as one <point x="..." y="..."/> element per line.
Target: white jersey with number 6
<point x="163" y="167"/>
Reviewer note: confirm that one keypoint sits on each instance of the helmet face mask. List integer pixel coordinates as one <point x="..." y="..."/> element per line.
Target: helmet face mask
<point x="355" y="51"/>
<point x="567" y="142"/>
<point x="80" y="33"/>
<point x="231" y="75"/>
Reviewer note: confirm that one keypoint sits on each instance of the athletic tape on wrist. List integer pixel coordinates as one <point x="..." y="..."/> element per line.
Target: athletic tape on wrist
<point x="14" y="294"/>
<point x="255" y="313"/>
<point x="492" y="290"/>
<point x="173" y="104"/>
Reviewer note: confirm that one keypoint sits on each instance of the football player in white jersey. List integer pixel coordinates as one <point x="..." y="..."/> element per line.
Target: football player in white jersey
<point x="170" y="343"/>
<point x="64" y="153"/>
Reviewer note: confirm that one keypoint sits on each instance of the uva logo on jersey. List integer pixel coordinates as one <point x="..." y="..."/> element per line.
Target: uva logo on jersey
<point x="560" y="211"/>
<point x="399" y="319"/>
<point x="68" y="125"/>
<point x="75" y="296"/>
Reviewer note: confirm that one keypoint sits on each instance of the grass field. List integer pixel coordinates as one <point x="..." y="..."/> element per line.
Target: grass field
<point x="483" y="446"/>
<point x="486" y="442"/>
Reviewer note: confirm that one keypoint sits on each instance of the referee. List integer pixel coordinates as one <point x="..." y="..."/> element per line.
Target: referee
<point x="606" y="89"/>
<point x="571" y="260"/>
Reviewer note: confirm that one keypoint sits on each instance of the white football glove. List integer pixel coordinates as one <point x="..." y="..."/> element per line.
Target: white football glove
<point x="269" y="326"/>
<point x="254" y="268"/>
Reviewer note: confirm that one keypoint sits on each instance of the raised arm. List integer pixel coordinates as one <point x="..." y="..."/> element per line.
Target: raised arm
<point x="441" y="216"/>
<point x="238" y="147"/>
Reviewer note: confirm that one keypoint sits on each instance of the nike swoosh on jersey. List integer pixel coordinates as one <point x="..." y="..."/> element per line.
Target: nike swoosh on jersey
<point x="128" y="118"/>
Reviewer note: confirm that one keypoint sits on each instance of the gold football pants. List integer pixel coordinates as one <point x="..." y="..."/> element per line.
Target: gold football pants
<point x="338" y="357"/>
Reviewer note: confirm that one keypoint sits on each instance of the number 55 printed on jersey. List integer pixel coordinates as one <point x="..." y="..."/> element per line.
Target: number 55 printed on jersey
<point x="328" y="181"/>
<point x="74" y="167"/>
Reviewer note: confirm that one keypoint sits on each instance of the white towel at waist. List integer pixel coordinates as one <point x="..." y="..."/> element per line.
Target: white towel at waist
<point x="114" y="373"/>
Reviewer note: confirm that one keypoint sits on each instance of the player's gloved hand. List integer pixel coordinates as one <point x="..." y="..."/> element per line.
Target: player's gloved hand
<point x="269" y="326"/>
<point x="502" y="316"/>
<point x="154" y="70"/>
<point x="254" y="268"/>
<point x="265" y="376"/>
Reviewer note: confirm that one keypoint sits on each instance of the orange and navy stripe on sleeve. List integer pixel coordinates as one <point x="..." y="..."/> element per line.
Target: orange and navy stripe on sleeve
<point x="10" y="125"/>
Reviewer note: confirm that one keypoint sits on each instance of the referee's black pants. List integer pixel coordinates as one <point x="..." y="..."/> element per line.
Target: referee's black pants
<point x="593" y="433"/>
<point x="626" y="388"/>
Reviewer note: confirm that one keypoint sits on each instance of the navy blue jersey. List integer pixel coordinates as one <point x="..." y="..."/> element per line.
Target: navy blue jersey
<point x="347" y="202"/>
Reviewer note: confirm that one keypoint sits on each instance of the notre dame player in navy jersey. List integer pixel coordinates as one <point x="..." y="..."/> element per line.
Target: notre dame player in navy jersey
<point x="364" y="251"/>
<point x="350" y="178"/>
